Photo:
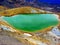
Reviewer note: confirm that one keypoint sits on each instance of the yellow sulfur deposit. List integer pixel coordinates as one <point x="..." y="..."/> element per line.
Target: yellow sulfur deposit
<point x="20" y="10"/>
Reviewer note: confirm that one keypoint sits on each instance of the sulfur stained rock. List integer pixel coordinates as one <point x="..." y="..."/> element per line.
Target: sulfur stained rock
<point x="14" y="11"/>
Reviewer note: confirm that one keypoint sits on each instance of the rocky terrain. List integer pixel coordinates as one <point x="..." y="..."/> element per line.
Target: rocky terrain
<point x="54" y="7"/>
<point x="5" y="39"/>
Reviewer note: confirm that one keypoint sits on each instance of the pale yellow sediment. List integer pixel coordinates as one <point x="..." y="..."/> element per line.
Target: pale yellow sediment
<point x="15" y="11"/>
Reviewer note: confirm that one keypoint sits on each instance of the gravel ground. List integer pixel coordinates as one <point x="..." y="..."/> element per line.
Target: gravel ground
<point x="8" y="40"/>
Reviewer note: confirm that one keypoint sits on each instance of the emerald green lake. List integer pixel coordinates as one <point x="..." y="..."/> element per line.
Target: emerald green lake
<point x="32" y="22"/>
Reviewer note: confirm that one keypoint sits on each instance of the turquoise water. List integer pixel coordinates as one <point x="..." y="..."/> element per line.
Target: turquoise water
<point x="32" y="22"/>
